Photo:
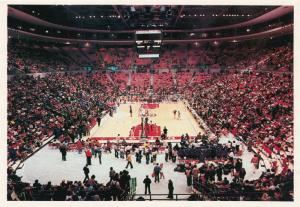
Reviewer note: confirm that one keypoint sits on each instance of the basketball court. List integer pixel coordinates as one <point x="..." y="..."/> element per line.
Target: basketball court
<point x="159" y="116"/>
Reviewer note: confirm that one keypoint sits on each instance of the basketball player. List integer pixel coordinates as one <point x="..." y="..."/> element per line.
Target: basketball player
<point x="174" y="114"/>
<point x="130" y="111"/>
<point x="178" y="115"/>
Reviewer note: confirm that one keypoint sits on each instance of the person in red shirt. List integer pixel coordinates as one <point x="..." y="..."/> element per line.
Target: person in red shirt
<point x="255" y="162"/>
<point x="88" y="155"/>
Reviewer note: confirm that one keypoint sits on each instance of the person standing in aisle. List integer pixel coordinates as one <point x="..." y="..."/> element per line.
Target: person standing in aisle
<point x="63" y="150"/>
<point x="99" y="151"/>
<point x="171" y="189"/>
<point x="112" y="173"/>
<point x="129" y="161"/>
<point x="116" y="148"/>
<point x="88" y="154"/>
<point x="166" y="154"/>
<point x="147" y="155"/>
<point x="86" y="171"/>
<point x="95" y="151"/>
<point x="170" y="151"/>
<point x="140" y="151"/>
<point x="156" y="173"/>
<point x="99" y="120"/>
<point x="188" y="174"/>
<point x="174" y="156"/>
<point x="147" y="182"/>
<point x="154" y="156"/>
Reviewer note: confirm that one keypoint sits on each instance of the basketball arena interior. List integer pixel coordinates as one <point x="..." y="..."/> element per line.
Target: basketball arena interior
<point x="150" y="102"/>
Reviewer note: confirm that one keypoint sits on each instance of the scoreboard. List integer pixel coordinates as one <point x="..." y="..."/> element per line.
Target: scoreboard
<point x="148" y="43"/>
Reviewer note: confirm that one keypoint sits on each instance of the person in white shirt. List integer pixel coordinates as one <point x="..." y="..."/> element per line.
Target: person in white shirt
<point x="166" y="154"/>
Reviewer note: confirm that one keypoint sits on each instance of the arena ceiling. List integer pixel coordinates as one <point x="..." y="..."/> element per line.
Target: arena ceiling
<point x="117" y="24"/>
<point x="128" y="17"/>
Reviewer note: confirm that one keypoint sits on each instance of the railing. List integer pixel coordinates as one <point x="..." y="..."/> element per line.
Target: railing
<point x="160" y="197"/>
